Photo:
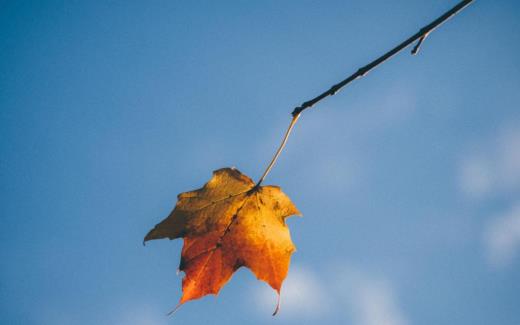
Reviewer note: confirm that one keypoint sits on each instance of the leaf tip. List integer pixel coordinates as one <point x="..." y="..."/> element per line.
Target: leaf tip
<point x="174" y="310"/>
<point x="277" y="309"/>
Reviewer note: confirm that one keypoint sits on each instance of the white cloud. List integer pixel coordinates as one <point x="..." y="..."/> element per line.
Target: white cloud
<point x="345" y="292"/>
<point x="302" y="295"/>
<point x="493" y="167"/>
<point x="370" y="299"/>
<point x="502" y="237"/>
<point x="476" y="177"/>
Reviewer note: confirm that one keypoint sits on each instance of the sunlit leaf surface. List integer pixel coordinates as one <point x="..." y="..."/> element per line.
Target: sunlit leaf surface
<point x="227" y="224"/>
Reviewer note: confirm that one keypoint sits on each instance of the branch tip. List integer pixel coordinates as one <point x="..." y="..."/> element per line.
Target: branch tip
<point x="417" y="46"/>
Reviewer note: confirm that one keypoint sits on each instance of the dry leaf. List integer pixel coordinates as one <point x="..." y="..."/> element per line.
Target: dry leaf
<point x="227" y="224"/>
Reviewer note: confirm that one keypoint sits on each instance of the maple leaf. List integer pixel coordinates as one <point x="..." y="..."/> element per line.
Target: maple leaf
<point x="227" y="224"/>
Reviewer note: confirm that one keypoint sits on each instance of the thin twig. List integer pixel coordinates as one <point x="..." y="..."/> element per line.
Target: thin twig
<point x="420" y="36"/>
<point x="417" y="46"/>
<point x="364" y="70"/>
<point x="280" y="148"/>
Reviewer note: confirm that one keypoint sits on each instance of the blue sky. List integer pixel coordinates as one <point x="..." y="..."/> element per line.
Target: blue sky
<point x="408" y="179"/>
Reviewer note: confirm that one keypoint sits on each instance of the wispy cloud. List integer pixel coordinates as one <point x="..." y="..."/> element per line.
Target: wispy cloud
<point x="303" y="295"/>
<point x="350" y="293"/>
<point x="493" y="167"/>
<point x="339" y="138"/>
<point x="371" y="299"/>
<point x="502" y="237"/>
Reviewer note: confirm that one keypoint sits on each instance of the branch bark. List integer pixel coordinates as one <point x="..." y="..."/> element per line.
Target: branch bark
<point x="420" y="36"/>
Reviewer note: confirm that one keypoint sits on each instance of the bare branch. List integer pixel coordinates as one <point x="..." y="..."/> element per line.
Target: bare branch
<point x="420" y="36"/>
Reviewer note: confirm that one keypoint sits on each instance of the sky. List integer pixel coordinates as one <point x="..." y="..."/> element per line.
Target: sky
<point x="408" y="179"/>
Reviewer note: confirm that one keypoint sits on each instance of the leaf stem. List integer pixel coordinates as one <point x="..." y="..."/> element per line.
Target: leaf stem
<point x="420" y="36"/>
<point x="280" y="148"/>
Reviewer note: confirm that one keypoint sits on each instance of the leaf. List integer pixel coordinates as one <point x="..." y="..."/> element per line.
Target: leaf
<point x="227" y="224"/>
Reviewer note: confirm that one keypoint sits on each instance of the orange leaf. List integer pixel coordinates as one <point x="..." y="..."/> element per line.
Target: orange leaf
<point x="227" y="224"/>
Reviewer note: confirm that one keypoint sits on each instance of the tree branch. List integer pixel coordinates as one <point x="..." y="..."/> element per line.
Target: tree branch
<point x="420" y="36"/>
